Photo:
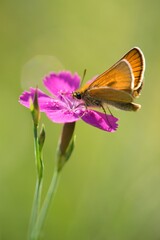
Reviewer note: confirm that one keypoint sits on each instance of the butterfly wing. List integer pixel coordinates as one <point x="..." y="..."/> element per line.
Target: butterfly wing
<point x="136" y="60"/>
<point x="119" y="75"/>
<point x="106" y="94"/>
<point x="119" y="84"/>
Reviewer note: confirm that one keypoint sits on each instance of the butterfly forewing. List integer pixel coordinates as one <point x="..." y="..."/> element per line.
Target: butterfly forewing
<point x="119" y="77"/>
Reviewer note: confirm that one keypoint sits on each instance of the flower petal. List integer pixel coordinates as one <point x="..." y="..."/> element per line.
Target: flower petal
<point x="100" y="120"/>
<point x="43" y="99"/>
<point x="65" y="110"/>
<point x="61" y="82"/>
<point x="62" y="116"/>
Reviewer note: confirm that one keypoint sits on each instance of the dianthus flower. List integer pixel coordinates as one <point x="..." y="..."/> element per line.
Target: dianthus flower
<point x="62" y="107"/>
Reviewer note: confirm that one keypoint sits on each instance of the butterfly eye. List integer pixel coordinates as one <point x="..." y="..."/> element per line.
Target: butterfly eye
<point x="77" y="95"/>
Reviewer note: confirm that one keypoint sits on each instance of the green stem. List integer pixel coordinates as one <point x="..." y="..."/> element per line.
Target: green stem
<point x="38" y="188"/>
<point x="47" y="202"/>
<point x="35" y="206"/>
<point x="38" y="160"/>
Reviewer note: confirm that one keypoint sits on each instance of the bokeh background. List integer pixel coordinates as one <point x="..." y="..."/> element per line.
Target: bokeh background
<point x="110" y="188"/>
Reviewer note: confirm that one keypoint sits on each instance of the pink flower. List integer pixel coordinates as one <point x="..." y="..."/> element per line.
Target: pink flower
<point x="62" y="107"/>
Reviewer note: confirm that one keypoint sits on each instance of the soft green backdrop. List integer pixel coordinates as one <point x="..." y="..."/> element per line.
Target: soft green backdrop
<point x="110" y="188"/>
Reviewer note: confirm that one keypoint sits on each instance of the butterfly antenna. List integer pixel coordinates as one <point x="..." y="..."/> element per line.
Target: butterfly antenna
<point x="84" y="74"/>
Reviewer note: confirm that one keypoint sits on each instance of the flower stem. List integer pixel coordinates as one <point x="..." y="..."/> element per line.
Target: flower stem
<point x="38" y="187"/>
<point x="47" y="202"/>
<point x="35" y="207"/>
<point x="38" y="159"/>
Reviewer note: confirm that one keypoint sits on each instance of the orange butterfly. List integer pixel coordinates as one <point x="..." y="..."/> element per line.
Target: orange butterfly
<point x="118" y="86"/>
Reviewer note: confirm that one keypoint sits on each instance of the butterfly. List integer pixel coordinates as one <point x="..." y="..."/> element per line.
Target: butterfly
<point x="118" y="86"/>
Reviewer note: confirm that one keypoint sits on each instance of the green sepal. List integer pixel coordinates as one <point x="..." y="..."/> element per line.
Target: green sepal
<point x="63" y="158"/>
<point x="41" y="138"/>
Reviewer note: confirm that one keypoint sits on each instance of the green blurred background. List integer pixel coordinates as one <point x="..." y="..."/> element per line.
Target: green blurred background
<point x="110" y="188"/>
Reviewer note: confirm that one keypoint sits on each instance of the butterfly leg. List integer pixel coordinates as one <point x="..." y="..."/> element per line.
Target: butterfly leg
<point x="104" y="110"/>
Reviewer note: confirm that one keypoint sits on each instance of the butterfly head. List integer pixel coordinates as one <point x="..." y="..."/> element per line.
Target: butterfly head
<point x="77" y="95"/>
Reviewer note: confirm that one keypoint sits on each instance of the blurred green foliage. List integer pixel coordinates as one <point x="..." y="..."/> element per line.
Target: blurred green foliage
<point x="110" y="187"/>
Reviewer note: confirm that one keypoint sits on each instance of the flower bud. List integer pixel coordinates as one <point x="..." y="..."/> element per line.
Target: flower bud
<point x="34" y="107"/>
<point x="66" y="144"/>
